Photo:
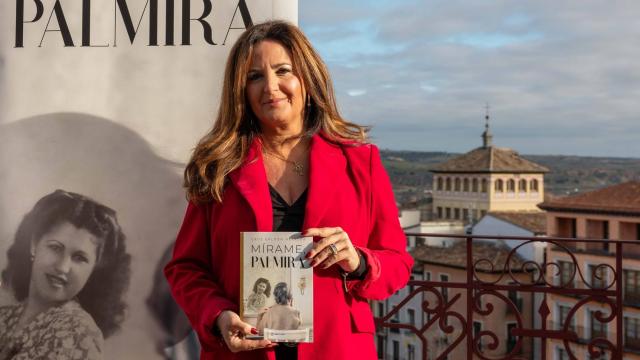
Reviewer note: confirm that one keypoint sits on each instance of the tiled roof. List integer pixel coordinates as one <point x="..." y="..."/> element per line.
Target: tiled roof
<point x="455" y="255"/>
<point x="534" y="221"/>
<point x="490" y="159"/>
<point x="618" y="199"/>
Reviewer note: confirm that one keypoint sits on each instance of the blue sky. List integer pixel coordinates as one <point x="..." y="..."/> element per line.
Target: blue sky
<point x="560" y="77"/>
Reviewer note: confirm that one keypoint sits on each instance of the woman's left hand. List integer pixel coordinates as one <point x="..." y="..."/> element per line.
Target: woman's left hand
<point x="335" y="247"/>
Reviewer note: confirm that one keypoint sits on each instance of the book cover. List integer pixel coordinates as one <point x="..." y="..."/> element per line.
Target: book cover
<point x="276" y="290"/>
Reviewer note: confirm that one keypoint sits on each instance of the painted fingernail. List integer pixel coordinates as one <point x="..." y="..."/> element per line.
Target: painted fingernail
<point x="308" y="255"/>
<point x="254" y="331"/>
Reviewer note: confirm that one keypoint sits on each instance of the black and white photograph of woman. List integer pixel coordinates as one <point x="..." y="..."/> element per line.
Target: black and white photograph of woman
<point x="258" y="298"/>
<point x="68" y="270"/>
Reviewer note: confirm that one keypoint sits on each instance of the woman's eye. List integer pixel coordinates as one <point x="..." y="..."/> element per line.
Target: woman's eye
<point x="283" y="71"/>
<point x="253" y="76"/>
<point x="80" y="258"/>
<point x="55" y="247"/>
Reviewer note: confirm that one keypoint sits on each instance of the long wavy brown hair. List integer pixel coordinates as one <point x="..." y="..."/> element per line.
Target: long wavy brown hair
<point x="225" y="147"/>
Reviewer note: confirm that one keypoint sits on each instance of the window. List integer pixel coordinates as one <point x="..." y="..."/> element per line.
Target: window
<point x="465" y="185"/>
<point x="448" y="184"/>
<point x="447" y="213"/>
<point x="381" y="354"/>
<point x="484" y="185"/>
<point x="411" y="314"/>
<point x="499" y="186"/>
<point x="456" y="213"/>
<point x="533" y="185"/>
<point x="396" y="350"/>
<point x="561" y="354"/>
<point x="444" y="290"/>
<point x="522" y="186"/>
<point x="440" y="184"/>
<point x="567" y="273"/>
<point x="563" y="312"/>
<point x="517" y="301"/>
<point x="566" y="227"/>
<point x="599" y="278"/>
<point x="632" y="286"/>
<point x="477" y="327"/>
<point x="474" y="185"/>
<point x="511" y="339"/>
<point x="511" y="185"/>
<point x="440" y="212"/>
<point x="465" y="214"/>
<point x="395" y="319"/>
<point x="457" y="184"/>
<point x="598" y="329"/>
<point x="632" y="333"/>
<point x="411" y="352"/>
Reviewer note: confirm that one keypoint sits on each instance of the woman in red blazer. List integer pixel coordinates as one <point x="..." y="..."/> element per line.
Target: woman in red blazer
<point x="280" y="157"/>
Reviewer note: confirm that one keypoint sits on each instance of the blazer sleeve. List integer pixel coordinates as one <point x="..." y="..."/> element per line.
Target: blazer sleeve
<point x="191" y="278"/>
<point x="388" y="263"/>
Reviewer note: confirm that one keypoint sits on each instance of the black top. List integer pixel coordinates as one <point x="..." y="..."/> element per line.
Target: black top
<point x="287" y="218"/>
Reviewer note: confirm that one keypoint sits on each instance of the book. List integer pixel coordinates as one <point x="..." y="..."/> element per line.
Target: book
<point x="276" y="289"/>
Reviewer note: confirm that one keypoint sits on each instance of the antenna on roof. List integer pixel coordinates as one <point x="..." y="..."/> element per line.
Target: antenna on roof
<point x="486" y="135"/>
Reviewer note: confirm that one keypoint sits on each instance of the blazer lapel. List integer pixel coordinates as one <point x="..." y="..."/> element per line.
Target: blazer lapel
<point x="251" y="181"/>
<point x="325" y="161"/>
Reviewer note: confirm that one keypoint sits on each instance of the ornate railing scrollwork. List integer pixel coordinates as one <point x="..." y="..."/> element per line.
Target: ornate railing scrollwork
<point x="492" y="286"/>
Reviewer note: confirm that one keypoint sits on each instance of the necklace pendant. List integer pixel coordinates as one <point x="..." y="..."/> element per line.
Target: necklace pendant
<point x="298" y="168"/>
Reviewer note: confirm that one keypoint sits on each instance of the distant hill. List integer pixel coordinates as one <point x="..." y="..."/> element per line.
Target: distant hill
<point x="409" y="172"/>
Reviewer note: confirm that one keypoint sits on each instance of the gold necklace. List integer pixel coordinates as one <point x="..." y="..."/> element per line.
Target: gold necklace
<point x="298" y="168"/>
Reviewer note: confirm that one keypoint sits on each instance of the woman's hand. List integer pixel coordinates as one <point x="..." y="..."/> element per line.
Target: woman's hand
<point x="335" y="247"/>
<point x="234" y="331"/>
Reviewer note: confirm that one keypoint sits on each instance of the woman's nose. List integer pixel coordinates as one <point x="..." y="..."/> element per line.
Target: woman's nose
<point x="271" y="83"/>
<point x="63" y="264"/>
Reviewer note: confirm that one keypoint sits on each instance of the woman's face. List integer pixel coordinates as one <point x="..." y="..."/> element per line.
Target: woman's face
<point x="275" y="93"/>
<point x="64" y="259"/>
<point x="261" y="288"/>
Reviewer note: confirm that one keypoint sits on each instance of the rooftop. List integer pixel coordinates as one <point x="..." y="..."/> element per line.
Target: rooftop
<point x="621" y="199"/>
<point x="490" y="159"/>
<point x="453" y="255"/>
<point x="534" y="221"/>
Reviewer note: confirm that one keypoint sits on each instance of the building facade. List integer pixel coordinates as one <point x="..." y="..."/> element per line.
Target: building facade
<point x="611" y="214"/>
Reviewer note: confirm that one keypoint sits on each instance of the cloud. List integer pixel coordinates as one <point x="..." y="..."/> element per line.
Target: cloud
<point x="356" y="92"/>
<point x="560" y="77"/>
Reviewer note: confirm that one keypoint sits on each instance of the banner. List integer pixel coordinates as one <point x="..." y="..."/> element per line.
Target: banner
<point x="101" y="103"/>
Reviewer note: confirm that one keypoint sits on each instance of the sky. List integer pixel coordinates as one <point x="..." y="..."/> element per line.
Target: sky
<point x="560" y="77"/>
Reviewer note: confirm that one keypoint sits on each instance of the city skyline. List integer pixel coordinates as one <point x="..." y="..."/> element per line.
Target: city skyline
<point x="560" y="78"/>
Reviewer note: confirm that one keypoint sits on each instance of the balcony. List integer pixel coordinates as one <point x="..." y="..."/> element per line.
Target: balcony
<point x="505" y="306"/>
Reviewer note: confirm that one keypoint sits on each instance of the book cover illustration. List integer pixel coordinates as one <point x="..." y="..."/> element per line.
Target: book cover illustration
<point x="277" y="285"/>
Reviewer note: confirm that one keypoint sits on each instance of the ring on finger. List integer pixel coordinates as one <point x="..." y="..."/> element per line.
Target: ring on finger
<point x="333" y="248"/>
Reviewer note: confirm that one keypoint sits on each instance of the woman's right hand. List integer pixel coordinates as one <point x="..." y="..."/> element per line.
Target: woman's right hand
<point x="234" y="332"/>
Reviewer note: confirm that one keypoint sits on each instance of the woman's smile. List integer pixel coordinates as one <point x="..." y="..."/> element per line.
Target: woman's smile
<point x="275" y="102"/>
<point x="56" y="281"/>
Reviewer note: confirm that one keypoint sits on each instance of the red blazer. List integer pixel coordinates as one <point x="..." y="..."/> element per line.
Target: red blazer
<point x="348" y="187"/>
